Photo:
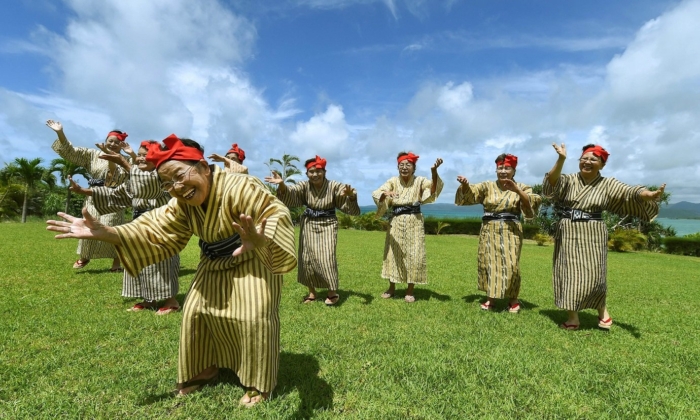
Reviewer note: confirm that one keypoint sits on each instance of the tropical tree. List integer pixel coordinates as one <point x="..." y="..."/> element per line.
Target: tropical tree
<point x="285" y="167"/>
<point x="65" y="171"/>
<point x="28" y="173"/>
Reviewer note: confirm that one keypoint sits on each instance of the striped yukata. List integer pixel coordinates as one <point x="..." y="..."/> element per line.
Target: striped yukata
<point x="500" y="241"/>
<point x="404" y="247"/>
<point x="581" y="247"/>
<point x="235" y="168"/>
<point x="142" y="191"/>
<point x="318" y="266"/>
<point x="231" y="313"/>
<point x="113" y="176"/>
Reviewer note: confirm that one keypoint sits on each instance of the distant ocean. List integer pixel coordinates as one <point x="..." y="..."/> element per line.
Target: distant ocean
<point x="682" y="226"/>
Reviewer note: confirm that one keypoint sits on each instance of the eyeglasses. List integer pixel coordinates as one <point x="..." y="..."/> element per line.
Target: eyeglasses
<point x="180" y="179"/>
<point x="589" y="160"/>
<point x="405" y="165"/>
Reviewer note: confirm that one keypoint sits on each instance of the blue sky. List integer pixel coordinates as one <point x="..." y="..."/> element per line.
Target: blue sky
<point x="357" y="81"/>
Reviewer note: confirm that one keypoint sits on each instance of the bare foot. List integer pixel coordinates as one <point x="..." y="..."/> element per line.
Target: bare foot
<point x="253" y="397"/>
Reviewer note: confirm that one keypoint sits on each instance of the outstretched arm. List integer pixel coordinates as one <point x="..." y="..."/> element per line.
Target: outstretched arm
<point x="648" y="195"/>
<point x="434" y="175"/>
<point x="555" y="172"/>
<point x="86" y="228"/>
<point x="58" y="128"/>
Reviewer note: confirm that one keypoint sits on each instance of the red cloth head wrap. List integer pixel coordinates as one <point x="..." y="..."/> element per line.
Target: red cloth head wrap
<point x="597" y="151"/>
<point x="147" y="144"/>
<point x="409" y="157"/>
<point x="509" y="160"/>
<point x="235" y="149"/>
<point x="120" y="136"/>
<point x="318" y="163"/>
<point x="175" y="150"/>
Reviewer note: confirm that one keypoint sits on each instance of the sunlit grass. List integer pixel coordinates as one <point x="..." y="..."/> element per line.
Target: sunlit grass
<point x="68" y="348"/>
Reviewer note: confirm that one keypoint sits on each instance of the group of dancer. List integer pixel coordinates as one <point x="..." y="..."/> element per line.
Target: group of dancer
<point x="246" y="237"/>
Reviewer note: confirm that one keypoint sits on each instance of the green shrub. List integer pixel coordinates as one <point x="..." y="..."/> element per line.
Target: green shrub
<point x="468" y="226"/>
<point x="687" y="245"/>
<point x="542" y="239"/>
<point x="625" y="240"/>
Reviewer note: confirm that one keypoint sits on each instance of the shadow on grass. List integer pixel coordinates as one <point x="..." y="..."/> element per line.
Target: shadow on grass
<point x="187" y="271"/>
<point x="499" y="304"/>
<point x="425" y="294"/>
<point x="345" y="294"/>
<point x="300" y="372"/>
<point x="588" y="321"/>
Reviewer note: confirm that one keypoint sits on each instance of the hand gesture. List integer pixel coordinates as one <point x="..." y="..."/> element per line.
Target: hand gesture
<point x="561" y="150"/>
<point x="654" y="195"/>
<point x="462" y="180"/>
<point x="436" y="165"/>
<point x="75" y="187"/>
<point x="217" y="158"/>
<point x="54" y="125"/>
<point x="126" y="147"/>
<point x="251" y="237"/>
<point x="86" y="228"/>
<point x="274" y="179"/>
<point x="385" y="194"/>
<point x="509" y="185"/>
<point x="103" y="148"/>
<point x="347" y="191"/>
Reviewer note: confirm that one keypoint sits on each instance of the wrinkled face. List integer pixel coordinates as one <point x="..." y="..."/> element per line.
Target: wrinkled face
<point x="406" y="169"/>
<point x="590" y="165"/>
<point x="190" y="184"/>
<point x="233" y="157"/>
<point x="504" y="172"/>
<point x="113" y="144"/>
<point x="141" y="161"/>
<point x="316" y="176"/>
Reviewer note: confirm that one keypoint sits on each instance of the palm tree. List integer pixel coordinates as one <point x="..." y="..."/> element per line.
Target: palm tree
<point x="29" y="173"/>
<point x="65" y="170"/>
<point x="287" y="168"/>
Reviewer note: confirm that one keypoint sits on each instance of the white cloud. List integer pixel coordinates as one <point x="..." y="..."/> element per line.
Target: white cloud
<point x="324" y="134"/>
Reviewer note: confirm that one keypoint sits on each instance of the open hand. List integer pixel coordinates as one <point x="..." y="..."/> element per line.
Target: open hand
<point x="75" y="187"/>
<point x="462" y="180"/>
<point x="560" y="149"/>
<point x="251" y="237"/>
<point x="73" y="227"/>
<point x="274" y="179"/>
<point x="54" y="125"/>
<point x="347" y="191"/>
<point x="509" y="184"/>
<point x="437" y="164"/>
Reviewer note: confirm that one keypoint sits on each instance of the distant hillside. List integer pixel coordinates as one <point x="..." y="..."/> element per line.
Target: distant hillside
<point x="681" y="210"/>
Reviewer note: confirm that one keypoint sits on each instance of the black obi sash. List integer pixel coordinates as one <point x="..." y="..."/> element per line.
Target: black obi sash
<point x="577" y="215"/>
<point x="220" y="249"/>
<point x="488" y="216"/>
<point x="315" y="214"/>
<point x="96" y="182"/>
<point x="409" y="209"/>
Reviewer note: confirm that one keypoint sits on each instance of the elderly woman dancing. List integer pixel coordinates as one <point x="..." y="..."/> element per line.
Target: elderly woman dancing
<point x="501" y="235"/>
<point x="231" y="313"/>
<point x="581" y="238"/>
<point x="103" y="173"/>
<point x="143" y="192"/>
<point x="318" y="266"/>
<point x="233" y="161"/>
<point x="404" y="248"/>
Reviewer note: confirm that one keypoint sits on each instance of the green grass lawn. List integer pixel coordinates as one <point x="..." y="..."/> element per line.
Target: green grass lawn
<point x="69" y="349"/>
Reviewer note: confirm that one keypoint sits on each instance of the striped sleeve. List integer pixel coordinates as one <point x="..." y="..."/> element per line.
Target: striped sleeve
<point x="293" y="195"/>
<point x="426" y="196"/>
<point x="626" y="200"/>
<point x="555" y="192"/>
<point x="382" y="206"/>
<point x="80" y="156"/>
<point x="280" y="254"/>
<point x="153" y="237"/>
<point x="110" y="200"/>
<point x="467" y="195"/>
<point x="535" y="200"/>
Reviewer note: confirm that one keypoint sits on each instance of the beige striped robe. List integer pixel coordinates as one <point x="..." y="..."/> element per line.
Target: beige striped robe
<point x="142" y="191"/>
<point x="318" y="266"/>
<point x="404" y="247"/>
<point x="235" y="168"/>
<point x="99" y="169"/>
<point x="231" y="313"/>
<point x="500" y="241"/>
<point x="581" y="247"/>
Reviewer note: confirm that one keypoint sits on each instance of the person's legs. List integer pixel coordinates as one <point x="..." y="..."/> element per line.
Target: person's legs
<point x="198" y="381"/>
<point x="332" y="297"/>
<point x="604" y="320"/>
<point x="311" y="296"/>
<point x="572" y="322"/>
<point x="390" y="291"/>
<point x="116" y="264"/>
<point x="409" y="293"/>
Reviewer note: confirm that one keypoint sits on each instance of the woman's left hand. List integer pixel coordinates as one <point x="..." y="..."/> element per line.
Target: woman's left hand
<point x="348" y="191"/>
<point x="251" y="237"/>
<point x="437" y="164"/>
<point x="654" y="195"/>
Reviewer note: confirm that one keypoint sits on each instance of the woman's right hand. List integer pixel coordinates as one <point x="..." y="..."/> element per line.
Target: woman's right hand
<point x="217" y="158"/>
<point x="560" y="149"/>
<point x="86" y="228"/>
<point x="54" y="125"/>
<point x="462" y="180"/>
<point x="76" y="188"/>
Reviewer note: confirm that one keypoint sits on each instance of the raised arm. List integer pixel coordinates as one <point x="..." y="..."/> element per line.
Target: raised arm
<point x="555" y="172"/>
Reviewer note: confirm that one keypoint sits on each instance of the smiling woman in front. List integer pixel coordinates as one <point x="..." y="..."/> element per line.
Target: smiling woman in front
<point x="231" y="313"/>
<point x="581" y="237"/>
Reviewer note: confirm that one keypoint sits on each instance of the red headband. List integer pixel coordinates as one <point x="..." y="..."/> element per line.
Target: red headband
<point x="234" y="149"/>
<point x="597" y="151"/>
<point x="120" y="136"/>
<point x="175" y="150"/>
<point x="318" y="163"/>
<point x="509" y="160"/>
<point x="147" y="144"/>
<point x="409" y="157"/>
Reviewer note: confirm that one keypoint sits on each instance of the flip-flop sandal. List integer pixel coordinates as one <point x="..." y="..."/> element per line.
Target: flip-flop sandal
<point x="308" y="299"/>
<point x="409" y="298"/>
<point x="80" y="264"/>
<point x="139" y="307"/>
<point x="167" y="310"/>
<point x="486" y="306"/>
<point x="514" y="309"/>
<point x="252" y="393"/>
<point x="568" y="327"/>
<point x="387" y="295"/>
<point x="332" y="300"/>
<point x="605" y="324"/>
